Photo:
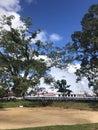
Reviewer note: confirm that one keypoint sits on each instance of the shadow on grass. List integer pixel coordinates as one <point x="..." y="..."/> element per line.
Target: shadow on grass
<point x="94" y="105"/>
<point x="1" y="104"/>
<point x="46" y="103"/>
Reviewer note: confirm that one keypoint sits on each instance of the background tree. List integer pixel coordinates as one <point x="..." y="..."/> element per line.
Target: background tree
<point x="19" y="69"/>
<point x="63" y="87"/>
<point x="84" y="48"/>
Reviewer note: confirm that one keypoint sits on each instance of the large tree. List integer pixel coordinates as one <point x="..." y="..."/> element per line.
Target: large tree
<point x="85" y="47"/>
<point x="19" y="65"/>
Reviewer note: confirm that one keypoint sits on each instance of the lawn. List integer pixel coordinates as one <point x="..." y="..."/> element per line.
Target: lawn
<point x="67" y="127"/>
<point x="65" y="104"/>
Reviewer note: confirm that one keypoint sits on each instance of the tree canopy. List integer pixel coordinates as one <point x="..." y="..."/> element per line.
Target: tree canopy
<point x="84" y="48"/>
<point x="19" y="69"/>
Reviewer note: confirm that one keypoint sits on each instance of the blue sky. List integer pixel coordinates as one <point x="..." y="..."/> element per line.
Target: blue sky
<point x="57" y="19"/>
<point x="60" y="17"/>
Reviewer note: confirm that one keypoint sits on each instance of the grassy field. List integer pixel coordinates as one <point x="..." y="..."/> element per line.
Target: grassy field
<point x="66" y="105"/>
<point x="7" y="104"/>
<point x="71" y="127"/>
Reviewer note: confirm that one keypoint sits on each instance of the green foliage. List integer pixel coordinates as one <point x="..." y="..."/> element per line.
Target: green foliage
<point x="63" y="87"/>
<point x="3" y="92"/>
<point x="18" y="67"/>
<point x="85" y="47"/>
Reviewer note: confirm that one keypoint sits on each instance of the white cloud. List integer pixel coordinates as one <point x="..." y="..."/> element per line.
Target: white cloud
<point x="42" y="36"/>
<point x="72" y="68"/>
<point x="10" y="5"/>
<point x="55" y="37"/>
<point x="70" y="77"/>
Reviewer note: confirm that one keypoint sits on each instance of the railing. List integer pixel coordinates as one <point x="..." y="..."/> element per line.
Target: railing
<point x="61" y="98"/>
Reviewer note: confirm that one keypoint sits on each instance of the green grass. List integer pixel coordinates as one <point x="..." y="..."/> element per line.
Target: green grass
<point x="62" y="127"/>
<point x="66" y="104"/>
<point x="24" y="103"/>
<point x="77" y="105"/>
